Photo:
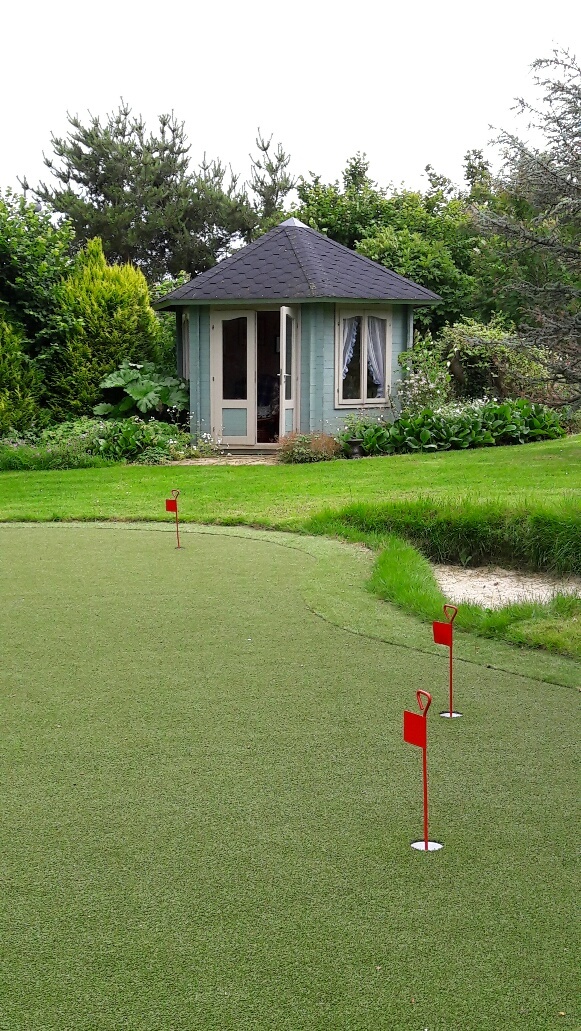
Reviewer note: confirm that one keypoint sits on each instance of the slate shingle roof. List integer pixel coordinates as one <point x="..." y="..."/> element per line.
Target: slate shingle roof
<point x="294" y="262"/>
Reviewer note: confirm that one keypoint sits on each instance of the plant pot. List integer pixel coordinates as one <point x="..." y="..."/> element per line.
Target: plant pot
<point x="356" y="446"/>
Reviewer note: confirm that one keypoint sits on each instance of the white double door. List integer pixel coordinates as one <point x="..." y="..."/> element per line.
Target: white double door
<point x="233" y="375"/>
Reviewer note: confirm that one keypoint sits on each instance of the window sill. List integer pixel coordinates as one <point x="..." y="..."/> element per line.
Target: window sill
<point x="381" y="403"/>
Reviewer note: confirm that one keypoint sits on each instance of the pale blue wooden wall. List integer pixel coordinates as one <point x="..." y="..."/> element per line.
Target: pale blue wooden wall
<point x="317" y="403"/>
<point x="199" y="370"/>
<point x="318" y="411"/>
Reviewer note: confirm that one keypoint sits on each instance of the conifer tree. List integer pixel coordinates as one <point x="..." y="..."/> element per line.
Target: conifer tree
<point x="134" y="189"/>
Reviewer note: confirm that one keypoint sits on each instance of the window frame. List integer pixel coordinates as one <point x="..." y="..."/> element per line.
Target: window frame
<point x="363" y="313"/>
<point x="185" y="363"/>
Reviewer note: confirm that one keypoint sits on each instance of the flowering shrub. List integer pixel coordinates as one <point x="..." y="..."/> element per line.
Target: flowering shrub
<point x="491" y="360"/>
<point x="426" y="382"/>
<point x="206" y="446"/>
<point x="308" y="447"/>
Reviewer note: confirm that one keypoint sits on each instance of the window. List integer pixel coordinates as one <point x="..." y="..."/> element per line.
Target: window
<point x="363" y="358"/>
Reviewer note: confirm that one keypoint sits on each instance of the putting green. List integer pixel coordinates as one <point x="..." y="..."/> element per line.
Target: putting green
<point x="207" y="805"/>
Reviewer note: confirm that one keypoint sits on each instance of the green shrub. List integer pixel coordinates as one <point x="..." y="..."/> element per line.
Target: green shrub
<point x="458" y="426"/>
<point x="490" y="360"/>
<point x="145" y="388"/>
<point x="35" y="255"/>
<point x="121" y="440"/>
<point x="114" y="322"/>
<point x="19" y="382"/>
<point x="426" y="381"/>
<point x="372" y="432"/>
<point x="297" y="448"/>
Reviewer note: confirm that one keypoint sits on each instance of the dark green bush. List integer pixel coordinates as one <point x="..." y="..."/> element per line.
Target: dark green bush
<point x="19" y="382"/>
<point x="92" y="442"/>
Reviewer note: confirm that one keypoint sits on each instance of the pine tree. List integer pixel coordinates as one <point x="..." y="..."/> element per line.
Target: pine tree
<point x="135" y="191"/>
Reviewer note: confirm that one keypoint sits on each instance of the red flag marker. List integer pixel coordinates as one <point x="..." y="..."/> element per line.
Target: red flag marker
<point x="171" y="505"/>
<point x="415" y="727"/>
<point x="444" y="634"/>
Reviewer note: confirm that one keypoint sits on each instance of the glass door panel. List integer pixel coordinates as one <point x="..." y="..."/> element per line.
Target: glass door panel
<point x="288" y="371"/>
<point x="233" y="377"/>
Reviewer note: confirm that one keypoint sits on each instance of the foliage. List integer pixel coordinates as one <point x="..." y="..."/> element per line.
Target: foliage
<point x="205" y="446"/>
<point x="135" y="191"/>
<point x="114" y="322"/>
<point x="270" y="182"/>
<point x="426" y="381"/>
<point x="540" y="221"/>
<point x="144" y="388"/>
<point x="35" y="255"/>
<point x="167" y="320"/>
<point x="470" y="360"/>
<point x="426" y="261"/>
<point x="19" y="382"/>
<point x="298" y="448"/>
<point x="488" y="360"/>
<point x="121" y="439"/>
<point x="372" y="432"/>
<point x="30" y="457"/>
<point x="457" y="426"/>
<point x="427" y="237"/>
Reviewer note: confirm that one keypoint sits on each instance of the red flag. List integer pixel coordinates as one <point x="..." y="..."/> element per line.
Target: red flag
<point x="443" y="633"/>
<point x="414" y="728"/>
<point x="171" y="505"/>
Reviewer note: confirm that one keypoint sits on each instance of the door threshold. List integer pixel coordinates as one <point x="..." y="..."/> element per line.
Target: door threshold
<point x="250" y="449"/>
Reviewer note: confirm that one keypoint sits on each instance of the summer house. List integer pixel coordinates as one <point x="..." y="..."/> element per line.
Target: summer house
<point x="292" y="332"/>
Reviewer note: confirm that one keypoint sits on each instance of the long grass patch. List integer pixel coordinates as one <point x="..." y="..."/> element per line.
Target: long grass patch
<point x="404" y="576"/>
<point x="471" y="532"/>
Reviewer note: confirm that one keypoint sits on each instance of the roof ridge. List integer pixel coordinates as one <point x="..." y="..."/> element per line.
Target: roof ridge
<point x="306" y="272"/>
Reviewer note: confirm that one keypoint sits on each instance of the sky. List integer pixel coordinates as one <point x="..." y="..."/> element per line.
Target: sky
<point x="408" y="84"/>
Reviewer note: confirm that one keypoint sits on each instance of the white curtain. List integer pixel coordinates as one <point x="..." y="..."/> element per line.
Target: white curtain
<point x="350" y="327"/>
<point x="376" y="352"/>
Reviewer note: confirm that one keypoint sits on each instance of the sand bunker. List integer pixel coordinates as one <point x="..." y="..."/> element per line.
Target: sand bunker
<point x="494" y="587"/>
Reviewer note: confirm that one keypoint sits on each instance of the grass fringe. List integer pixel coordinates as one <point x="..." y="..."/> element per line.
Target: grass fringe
<point x="469" y="534"/>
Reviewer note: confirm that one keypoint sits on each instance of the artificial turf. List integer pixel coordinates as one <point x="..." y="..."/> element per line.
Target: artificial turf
<point x="207" y="806"/>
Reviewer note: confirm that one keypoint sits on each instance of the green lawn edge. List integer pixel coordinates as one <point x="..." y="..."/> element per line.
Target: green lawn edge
<point x="337" y="590"/>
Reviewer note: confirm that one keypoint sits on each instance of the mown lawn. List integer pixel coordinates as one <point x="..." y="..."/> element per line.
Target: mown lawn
<point x="285" y="495"/>
<point x="207" y="805"/>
